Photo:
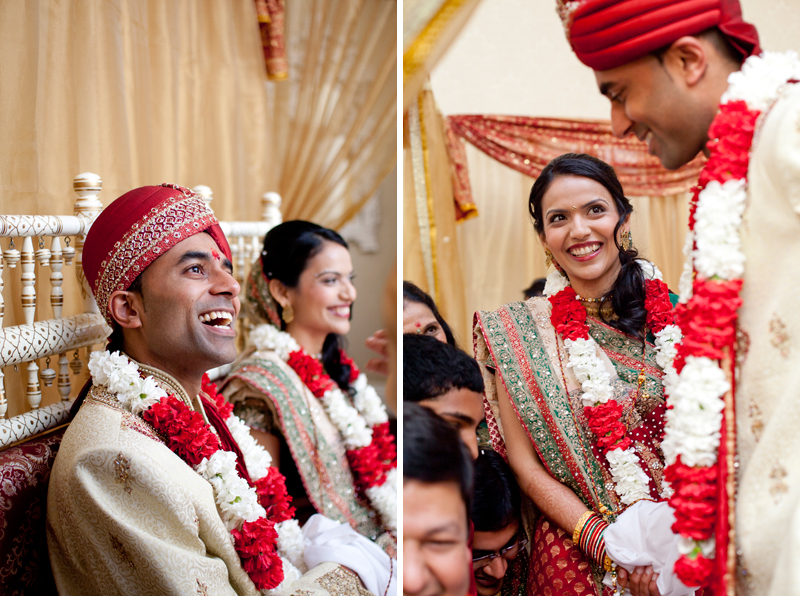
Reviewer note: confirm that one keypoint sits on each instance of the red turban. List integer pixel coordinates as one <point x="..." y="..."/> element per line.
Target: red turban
<point x="136" y="229"/>
<point x="609" y="33"/>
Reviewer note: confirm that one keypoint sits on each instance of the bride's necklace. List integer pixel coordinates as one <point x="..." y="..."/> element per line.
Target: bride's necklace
<point x="370" y="447"/>
<point x="602" y="411"/>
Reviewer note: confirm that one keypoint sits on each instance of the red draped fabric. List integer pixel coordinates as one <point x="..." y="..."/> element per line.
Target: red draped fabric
<point x="528" y="144"/>
<point x="271" y="15"/>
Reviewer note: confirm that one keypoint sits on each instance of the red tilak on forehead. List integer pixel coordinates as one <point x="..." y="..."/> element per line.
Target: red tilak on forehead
<point x="418" y="324"/>
<point x="215" y="254"/>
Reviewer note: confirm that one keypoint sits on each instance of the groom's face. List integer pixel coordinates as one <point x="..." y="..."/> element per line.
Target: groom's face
<point x="651" y="100"/>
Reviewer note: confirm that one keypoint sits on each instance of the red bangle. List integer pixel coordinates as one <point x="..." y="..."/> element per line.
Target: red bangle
<point x="590" y="538"/>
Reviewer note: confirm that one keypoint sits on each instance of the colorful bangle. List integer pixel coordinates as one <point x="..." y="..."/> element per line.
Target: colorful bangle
<point x="590" y="537"/>
<point x="579" y="526"/>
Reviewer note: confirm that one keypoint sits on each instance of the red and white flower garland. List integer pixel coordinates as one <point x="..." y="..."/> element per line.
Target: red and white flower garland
<point x="603" y="412"/>
<point x="370" y="447"/>
<point x="709" y="299"/>
<point x="260" y="517"/>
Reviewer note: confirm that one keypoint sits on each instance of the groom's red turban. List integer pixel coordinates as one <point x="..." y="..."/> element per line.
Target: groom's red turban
<point x="136" y="229"/>
<point x="606" y="34"/>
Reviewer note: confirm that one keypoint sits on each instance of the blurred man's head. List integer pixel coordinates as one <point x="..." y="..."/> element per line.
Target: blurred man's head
<point x="437" y="482"/>
<point x="663" y="65"/>
<point x="495" y="511"/>
<point x="446" y="380"/>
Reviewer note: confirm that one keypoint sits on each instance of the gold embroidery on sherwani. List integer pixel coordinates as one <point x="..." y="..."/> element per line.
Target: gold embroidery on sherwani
<point x="778" y="335"/>
<point x="122" y="467"/>
<point x="202" y="589"/>
<point x="340" y="582"/>
<point x="742" y="348"/>
<point x="101" y="396"/>
<point x="757" y="423"/>
<point x="116" y="544"/>
<point x="778" y="487"/>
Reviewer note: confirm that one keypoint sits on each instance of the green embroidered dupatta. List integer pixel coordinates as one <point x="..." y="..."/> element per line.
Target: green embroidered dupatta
<point x="519" y="343"/>
<point x="322" y="465"/>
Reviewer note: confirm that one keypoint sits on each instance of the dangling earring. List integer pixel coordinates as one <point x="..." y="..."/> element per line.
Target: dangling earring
<point x="549" y="260"/>
<point x="288" y="314"/>
<point x="627" y="241"/>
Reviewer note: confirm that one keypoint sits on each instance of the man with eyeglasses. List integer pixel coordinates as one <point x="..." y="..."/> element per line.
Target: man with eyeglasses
<point x="499" y="560"/>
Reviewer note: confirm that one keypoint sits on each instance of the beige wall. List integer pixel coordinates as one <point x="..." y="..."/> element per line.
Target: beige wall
<point x="371" y="272"/>
<point x="513" y="58"/>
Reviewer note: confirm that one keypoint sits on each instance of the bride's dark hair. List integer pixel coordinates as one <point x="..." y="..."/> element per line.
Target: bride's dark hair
<point x="287" y="249"/>
<point x="627" y="294"/>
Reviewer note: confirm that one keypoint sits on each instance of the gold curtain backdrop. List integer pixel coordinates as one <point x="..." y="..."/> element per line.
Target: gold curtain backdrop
<point x="431" y="256"/>
<point x="137" y="91"/>
<point x="335" y="117"/>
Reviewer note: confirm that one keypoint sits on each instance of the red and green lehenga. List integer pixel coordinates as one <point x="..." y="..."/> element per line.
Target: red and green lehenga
<point x="263" y="383"/>
<point x="519" y="343"/>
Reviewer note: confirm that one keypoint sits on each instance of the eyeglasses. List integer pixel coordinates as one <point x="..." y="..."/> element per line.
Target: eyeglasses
<point x="508" y="553"/>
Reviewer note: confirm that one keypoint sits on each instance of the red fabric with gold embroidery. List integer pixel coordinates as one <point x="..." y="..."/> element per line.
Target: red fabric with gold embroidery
<point x="606" y="34"/>
<point x="24" y="475"/>
<point x="558" y="567"/>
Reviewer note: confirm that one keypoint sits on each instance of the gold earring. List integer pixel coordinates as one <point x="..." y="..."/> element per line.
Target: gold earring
<point x="548" y="258"/>
<point x="627" y="240"/>
<point x="549" y="261"/>
<point x="288" y="314"/>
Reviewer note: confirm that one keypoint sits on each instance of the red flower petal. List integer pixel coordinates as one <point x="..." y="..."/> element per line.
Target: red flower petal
<point x="256" y="544"/>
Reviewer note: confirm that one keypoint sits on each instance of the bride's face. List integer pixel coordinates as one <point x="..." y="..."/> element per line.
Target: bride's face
<point x="579" y="217"/>
<point x="324" y="293"/>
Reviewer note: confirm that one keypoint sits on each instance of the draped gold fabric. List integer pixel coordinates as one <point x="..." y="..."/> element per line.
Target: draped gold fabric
<point x="429" y="27"/>
<point x="335" y="118"/>
<point x="431" y="256"/>
<point x="137" y="91"/>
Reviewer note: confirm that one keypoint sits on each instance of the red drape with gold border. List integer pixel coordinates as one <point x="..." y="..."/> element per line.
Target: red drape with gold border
<point x="527" y="144"/>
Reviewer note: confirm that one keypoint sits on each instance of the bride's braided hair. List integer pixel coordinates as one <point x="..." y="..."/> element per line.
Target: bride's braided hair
<point x="628" y="292"/>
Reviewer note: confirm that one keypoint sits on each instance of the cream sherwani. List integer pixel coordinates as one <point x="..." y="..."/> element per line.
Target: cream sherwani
<point x="127" y="516"/>
<point x="768" y="391"/>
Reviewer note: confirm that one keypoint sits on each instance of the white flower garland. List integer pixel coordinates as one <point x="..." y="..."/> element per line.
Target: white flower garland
<point x="692" y="428"/>
<point x="630" y="481"/>
<point x="353" y="422"/>
<point x="236" y="500"/>
<point x="693" y="422"/>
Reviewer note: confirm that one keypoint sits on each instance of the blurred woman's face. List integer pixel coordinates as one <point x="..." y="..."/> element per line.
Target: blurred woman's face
<point x="324" y="294"/>
<point x="418" y="318"/>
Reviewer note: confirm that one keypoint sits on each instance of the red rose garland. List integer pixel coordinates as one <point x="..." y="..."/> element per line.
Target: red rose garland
<point x="568" y="317"/>
<point x="370" y="464"/>
<point x="708" y="325"/>
<point x="708" y="322"/>
<point x="192" y="439"/>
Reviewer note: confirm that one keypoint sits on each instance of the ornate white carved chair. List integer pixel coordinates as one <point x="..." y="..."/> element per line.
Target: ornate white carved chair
<point x="41" y="246"/>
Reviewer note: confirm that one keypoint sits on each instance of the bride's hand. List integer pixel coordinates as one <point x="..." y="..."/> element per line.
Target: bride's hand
<point x="641" y="581"/>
